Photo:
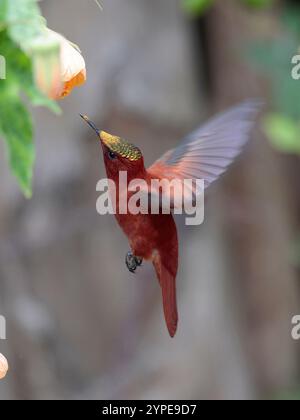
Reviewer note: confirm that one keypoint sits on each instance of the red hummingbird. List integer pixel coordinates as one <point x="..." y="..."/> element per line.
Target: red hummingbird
<point x="204" y="154"/>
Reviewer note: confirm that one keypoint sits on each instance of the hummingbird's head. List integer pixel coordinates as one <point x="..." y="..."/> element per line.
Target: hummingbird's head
<point x="119" y="154"/>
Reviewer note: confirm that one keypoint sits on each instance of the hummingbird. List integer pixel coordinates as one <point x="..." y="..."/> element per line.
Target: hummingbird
<point x="204" y="154"/>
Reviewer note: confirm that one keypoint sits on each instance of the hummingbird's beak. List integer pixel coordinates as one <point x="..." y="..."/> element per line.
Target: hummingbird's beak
<point x="104" y="137"/>
<point x="91" y="124"/>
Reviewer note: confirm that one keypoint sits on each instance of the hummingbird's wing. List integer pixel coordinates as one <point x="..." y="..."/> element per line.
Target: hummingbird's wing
<point x="207" y="152"/>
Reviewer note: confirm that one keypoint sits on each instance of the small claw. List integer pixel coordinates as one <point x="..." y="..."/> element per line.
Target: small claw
<point x="132" y="262"/>
<point x="139" y="261"/>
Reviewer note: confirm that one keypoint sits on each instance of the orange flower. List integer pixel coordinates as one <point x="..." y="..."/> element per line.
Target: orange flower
<point x="58" y="65"/>
<point x="3" y="366"/>
<point x="73" y="71"/>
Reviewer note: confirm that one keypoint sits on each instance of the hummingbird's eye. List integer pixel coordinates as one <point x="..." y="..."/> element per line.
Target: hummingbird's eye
<point x="111" y="155"/>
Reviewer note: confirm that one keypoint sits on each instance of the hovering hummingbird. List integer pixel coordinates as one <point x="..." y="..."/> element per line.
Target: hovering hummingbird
<point x="204" y="154"/>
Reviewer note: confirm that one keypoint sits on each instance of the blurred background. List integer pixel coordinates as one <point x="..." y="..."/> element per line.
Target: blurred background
<point x="79" y="325"/>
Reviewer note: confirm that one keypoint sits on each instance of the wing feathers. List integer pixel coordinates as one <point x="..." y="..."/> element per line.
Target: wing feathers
<point x="208" y="151"/>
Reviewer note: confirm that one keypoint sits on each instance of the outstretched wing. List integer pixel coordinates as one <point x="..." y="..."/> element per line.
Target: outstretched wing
<point x="207" y="152"/>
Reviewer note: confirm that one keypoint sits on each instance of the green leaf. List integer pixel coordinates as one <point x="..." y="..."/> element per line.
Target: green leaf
<point x="39" y="99"/>
<point x="257" y="3"/>
<point x="23" y="35"/>
<point x="274" y="59"/>
<point x="15" y="120"/>
<point x="25" y="22"/>
<point x="20" y="74"/>
<point x="290" y="19"/>
<point x="283" y="132"/>
<point x="196" y="7"/>
<point x="16" y="128"/>
<point x="3" y="11"/>
<point x="27" y="28"/>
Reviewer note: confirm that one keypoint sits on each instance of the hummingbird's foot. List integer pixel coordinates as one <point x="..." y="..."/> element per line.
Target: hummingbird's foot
<point x="132" y="262"/>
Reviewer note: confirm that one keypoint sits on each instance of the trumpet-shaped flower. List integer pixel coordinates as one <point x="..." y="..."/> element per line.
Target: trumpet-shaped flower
<point x="58" y="65"/>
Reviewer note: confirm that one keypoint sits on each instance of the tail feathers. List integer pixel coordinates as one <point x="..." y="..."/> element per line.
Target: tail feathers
<point x="168" y="285"/>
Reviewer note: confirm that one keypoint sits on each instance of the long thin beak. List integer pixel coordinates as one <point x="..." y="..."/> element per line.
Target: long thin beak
<point x="91" y="124"/>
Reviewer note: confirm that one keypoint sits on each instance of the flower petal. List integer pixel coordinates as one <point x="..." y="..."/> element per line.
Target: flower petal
<point x="57" y="72"/>
<point x="3" y="366"/>
<point x="78" y="80"/>
<point x="46" y="64"/>
<point x="73" y="70"/>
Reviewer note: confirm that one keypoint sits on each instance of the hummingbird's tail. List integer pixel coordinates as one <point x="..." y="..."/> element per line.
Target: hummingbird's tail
<point x="165" y="264"/>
